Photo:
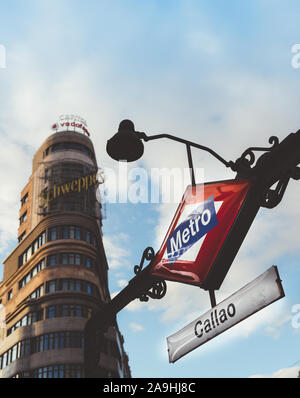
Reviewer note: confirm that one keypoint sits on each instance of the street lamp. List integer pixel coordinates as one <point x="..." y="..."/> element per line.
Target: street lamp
<point x="276" y="166"/>
<point x="127" y="145"/>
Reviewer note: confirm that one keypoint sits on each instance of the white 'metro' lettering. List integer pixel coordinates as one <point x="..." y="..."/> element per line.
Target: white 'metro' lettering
<point x="191" y="230"/>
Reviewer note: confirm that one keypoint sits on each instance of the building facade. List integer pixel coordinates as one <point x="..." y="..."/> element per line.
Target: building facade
<point x="57" y="275"/>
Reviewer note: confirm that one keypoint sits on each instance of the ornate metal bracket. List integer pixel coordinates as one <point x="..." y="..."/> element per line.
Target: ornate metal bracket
<point x="157" y="291"/>
<point x="247" y="159"/>
<point x="272" y="197"/>
<point x="274" y="141"/>
<point x="148" y="255"/>
<point x="159" y="286"/>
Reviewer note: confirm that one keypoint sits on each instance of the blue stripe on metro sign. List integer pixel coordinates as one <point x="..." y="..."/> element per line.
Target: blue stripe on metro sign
<point x="187" y="233"/>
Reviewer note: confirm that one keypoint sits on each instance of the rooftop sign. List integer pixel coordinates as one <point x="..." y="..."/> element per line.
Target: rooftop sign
<point x="71" y="123"/>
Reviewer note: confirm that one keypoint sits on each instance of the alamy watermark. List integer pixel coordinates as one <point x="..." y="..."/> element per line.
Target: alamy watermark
<point x="130" y="185"/>
<point x="296" y="57"/>
<point x="140" y="185"/>
<point x="2" y="56"/>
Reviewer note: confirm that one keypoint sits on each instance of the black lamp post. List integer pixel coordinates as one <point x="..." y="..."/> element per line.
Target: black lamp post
<point x="127" y="145"/>
<point x="276" y="166"/>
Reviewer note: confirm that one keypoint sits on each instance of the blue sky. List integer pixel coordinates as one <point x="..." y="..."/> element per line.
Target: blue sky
<point x="215" y="72"/>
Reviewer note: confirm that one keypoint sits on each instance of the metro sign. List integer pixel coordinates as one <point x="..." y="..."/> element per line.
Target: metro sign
<point x="204" y="220"/>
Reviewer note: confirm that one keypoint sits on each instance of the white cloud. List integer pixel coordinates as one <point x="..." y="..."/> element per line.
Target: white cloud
<point x="116" y="254"/>
<point x="12" y="177"/>
<point x="136" y="327"/>
<point x="292" y="372"/>
<point x="203" y="41"/>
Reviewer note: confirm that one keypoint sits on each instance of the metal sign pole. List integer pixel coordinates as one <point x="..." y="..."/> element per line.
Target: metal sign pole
<point x="141" y="286"/>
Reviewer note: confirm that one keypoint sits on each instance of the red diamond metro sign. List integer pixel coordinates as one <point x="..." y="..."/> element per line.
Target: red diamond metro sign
<point x="200" y="229"/>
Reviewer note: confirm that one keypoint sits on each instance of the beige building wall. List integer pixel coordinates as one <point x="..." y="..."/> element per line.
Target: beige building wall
<point x="83" y="285"/>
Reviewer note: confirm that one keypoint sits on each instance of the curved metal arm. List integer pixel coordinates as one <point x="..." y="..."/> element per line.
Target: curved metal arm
<point x="146" y="138"/>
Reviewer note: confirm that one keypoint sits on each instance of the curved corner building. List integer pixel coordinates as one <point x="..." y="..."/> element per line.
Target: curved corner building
<point x="56" y="277"/>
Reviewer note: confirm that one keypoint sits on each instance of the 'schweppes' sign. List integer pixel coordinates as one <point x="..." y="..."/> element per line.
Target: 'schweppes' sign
<point x="259" y="293"/>
<point x="198" y="230"/>
<point x="79" y="185"/>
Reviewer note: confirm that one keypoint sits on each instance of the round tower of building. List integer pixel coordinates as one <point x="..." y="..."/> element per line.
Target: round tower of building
<point x="57" y="275"/>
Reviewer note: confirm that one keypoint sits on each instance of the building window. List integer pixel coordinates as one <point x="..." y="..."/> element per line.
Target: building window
<point x="39" y="241"/>
<point x="52" y="260"/>
<point x="62" y="146"/>
<point x="71" y="232"/>
<point x="68" y="284"/>
<point x="24" y="199"/>
<point x="78" y="286"/>
<point x="59" y="340"/>
<point x="65" y="259"/>
<point x="52" y="234"/>
<point x="89" y="288"/>
<point x="51" y="286"/>
<point x="51" y="312"/>
<point x="46" y="152"/>
<point x="77" y="233"/>
<point x="54" y="371"/>
<point x="23" y="217"/>
<point x="37" y="268"/>
<point x="45" y="342"/>
<point x="9" y="295"/>
<point x="88" y="262"/>
<point x="22" y="236"/>
<point x="72" y="259"/>
<point x="66" y="232"/>
<point x="68" y="310"/>
<point x="39" y="292"/>
<point x="28" y="319"/>
<point x="88" y="237"/>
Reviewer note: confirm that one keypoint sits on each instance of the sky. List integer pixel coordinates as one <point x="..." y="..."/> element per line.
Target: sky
<point x="222" y="74"/>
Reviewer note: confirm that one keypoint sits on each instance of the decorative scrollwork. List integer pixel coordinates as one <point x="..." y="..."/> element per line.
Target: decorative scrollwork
<point x="157" y="291"/>
<point x="148" y="255"/>
<point x="274" y="141"/>
<point x="159" y="286"/>
<point x="272" y="197"/>
<point x="247" y="159"/>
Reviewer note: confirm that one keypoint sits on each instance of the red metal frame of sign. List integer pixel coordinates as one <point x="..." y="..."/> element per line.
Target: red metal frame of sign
<point x="231" y="194"/>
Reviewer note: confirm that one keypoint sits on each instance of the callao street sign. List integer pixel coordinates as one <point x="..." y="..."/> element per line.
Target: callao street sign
<point x="199" y="230"/>
<point x="256" y="295"/>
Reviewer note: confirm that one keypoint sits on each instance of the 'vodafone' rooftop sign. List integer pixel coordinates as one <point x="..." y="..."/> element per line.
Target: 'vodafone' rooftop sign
<point x="72" y="123"/>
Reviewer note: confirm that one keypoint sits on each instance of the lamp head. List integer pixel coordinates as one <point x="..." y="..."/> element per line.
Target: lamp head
<point x="125" y="144"/>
